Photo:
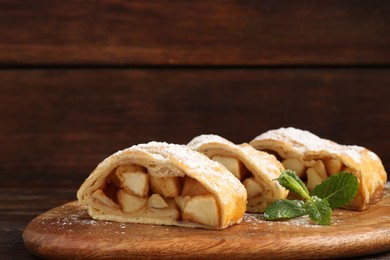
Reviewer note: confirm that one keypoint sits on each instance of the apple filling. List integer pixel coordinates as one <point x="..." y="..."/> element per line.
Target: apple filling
<point x="256" y="192"/>
<point x="234" y="165"/>
<point x="131" y="190"/>
<point x="315" y="172"/>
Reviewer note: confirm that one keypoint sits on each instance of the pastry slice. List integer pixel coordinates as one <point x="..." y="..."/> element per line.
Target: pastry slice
<point x="315" y="159"/>
<point x="256" y="170"/>
<point x="163" y="184"/>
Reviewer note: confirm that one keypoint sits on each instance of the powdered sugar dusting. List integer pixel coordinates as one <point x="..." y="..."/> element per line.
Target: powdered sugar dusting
<point x="263" y="166"/>
<point x="352" y="151"/>
<point x="257" y="221"/>
<point x="306" y="143"/>
<point x="198" y="141"/>
<point x="73" y="220"/>
<point x="216" y="175"/>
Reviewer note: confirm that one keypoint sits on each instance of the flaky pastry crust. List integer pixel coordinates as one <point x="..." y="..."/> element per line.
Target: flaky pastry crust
<point x="309" y="148"/>
<point x="262" y="167"/>
<point x="167" y="160"/>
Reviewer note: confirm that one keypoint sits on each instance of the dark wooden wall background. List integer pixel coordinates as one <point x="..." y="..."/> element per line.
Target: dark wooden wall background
<point x="82" y="79"/>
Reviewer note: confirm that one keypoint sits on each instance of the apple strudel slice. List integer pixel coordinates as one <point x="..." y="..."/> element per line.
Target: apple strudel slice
<point x="163" y="184"/>
<point x="315" y="159"/>
<point x="255" y="169"/>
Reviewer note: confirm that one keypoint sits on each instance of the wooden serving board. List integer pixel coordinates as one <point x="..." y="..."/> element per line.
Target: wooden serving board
<point x="69" y="232"/>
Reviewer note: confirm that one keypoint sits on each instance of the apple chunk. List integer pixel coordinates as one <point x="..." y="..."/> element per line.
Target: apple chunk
<point x="202" y="209"/>
<point x="295" y="165"/>
<point x="128" y="168"/>
<point x="157" y="202"/>
<point x="313" y="178"/>
<point x="333" y="166"/>
<point x="192" y="187"/>
<point x="234" y="165"/>
<point x="130" y="203"/>
<point x="133" y="180"/>
<point x="181" y="201"/>
<point x="166" y="186"/>
<point x="320" y="169"/>
<point x="252" y="187"/>
<point x="103" y="199"/>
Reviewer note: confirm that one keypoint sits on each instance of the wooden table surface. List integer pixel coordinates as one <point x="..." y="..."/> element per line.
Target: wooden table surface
<point x="18" y="206"/>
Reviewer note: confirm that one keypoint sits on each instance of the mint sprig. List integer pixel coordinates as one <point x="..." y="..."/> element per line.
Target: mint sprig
<point x="292" y="182"/>
<point x="319" y="210"/>
<point x="285" y="209"/>
<point x="338" y="189"/>
<point x="332" y="193"/>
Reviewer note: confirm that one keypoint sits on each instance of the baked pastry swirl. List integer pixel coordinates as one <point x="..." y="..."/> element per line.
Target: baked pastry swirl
<point x="256" y="170"/>
<point x="165" y="184"/>
<point x="315" y="159"/>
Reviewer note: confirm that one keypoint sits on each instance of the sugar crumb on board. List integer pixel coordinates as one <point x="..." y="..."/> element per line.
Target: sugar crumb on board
<point x="257" y="221"/>
<point x="78" y="217"/>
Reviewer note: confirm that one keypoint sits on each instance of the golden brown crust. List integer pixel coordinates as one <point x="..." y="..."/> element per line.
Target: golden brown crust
<point x="264" y="167"/>
<point x="308" y="148"/>
<point x="168" y="160"/>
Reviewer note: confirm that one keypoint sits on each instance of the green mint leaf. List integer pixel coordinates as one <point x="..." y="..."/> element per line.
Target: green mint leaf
<point x="338" y="189"/>
<point x="285" y="209"/>
<point x="319" y="210"/>
<point x="292" y="182"/>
